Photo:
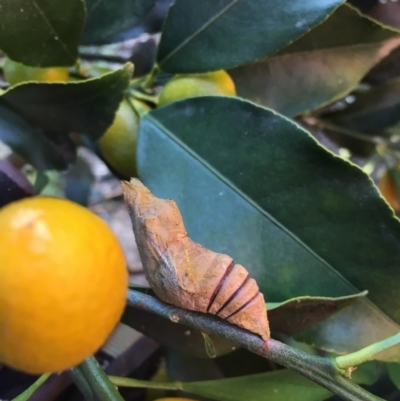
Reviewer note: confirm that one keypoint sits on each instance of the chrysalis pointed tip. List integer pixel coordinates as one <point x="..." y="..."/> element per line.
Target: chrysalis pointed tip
<point x="132" y="189"/>
<point x="130" y="194"/>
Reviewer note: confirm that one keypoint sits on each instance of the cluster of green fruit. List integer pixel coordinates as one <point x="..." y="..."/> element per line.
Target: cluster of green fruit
<point x="118" y="143"/>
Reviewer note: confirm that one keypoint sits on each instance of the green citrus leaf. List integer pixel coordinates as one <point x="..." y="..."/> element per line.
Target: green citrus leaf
<point x="13" y="184"/>
<point x="29" y="143"/>
<point x="278" y="385"/>
<point x="322" y="66"/>
<point x="387" y="69"/>
<point x="373" y="111"/>
<point x="394" y="373"/>
<point x="367" y="373"/>
<point x="281" y="385"/>
<point x="185" y="368"/>
<point x="106" y="19"/>
<point x="86" y="106"/>
<point x="41" y="181"/>
<point x="201" y="36"/>
<point x="79" y="181"/>
<point x="298" y="314"/>
<point x="41" y="33"/>
<point x="256" y="186"/>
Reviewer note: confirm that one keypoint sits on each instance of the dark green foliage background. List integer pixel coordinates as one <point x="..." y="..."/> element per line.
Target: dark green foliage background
<point x="248" y="175"/>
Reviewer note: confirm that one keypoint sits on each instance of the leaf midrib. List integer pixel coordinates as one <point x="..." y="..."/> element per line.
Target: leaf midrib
<point x="53" y="30"/>
<point x="230" y="184"/>
<point x="199" y="31"/>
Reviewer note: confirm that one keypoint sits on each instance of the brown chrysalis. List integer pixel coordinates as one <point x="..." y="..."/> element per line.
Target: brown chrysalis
<point x="184" y="273"/>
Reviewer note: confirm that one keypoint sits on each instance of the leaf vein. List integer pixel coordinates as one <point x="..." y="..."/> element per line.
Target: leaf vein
<point x="199" y="31"/>
<point x="53" y="30"/>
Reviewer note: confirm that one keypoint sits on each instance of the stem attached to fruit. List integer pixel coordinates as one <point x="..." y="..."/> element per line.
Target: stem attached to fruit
<point x="149" y="81"/>
<point x="144" y="97"/>
<point x="30" y="390"/>
<point x="323" y="371"/>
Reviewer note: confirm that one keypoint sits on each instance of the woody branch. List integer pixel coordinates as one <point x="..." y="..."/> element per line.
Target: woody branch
<point x="323" y="371"/>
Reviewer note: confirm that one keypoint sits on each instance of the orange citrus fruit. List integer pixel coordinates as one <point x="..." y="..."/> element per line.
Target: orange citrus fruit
<point x="190" y="85"/>
<point x="63" y="284"/>
<point x="15" y="73"/>
<point x="118" y="143"/>
<point x="387" y="186"/>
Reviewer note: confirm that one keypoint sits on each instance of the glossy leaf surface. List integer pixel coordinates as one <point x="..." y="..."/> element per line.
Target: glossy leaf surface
<point x="86" y="107"/>
<point x="106" y="19"/>
<point x="322" y="66"/>
<point x="28" y="142"/>
<point x="281" y="385"/>
<point x="254" y="185"/>
<point x="298" y="314"/>
<point x="200" y="36"/>
<point x="78" y="182"/>
<point x="13" y="184"/>
<point x="373" y="111"/>
<point x="394" y="373"/>
<point x="41" y="33"/>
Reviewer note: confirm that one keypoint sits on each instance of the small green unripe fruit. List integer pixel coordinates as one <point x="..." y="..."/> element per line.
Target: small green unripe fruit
<point x="118" y="143"/>
<point x="190" y="85"/>
<point x="15" y="73"/>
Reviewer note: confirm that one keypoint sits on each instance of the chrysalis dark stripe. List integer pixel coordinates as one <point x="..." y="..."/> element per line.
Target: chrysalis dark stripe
<point x="234" y="295"/>
<point x="220" y="284"/>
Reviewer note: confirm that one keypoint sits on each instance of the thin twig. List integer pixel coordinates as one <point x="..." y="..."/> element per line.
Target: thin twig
<point x="30" y="390"/>
<point x="149" y="81"/>
<point x="342" y="130"/>
<point x="321" y="370"/>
